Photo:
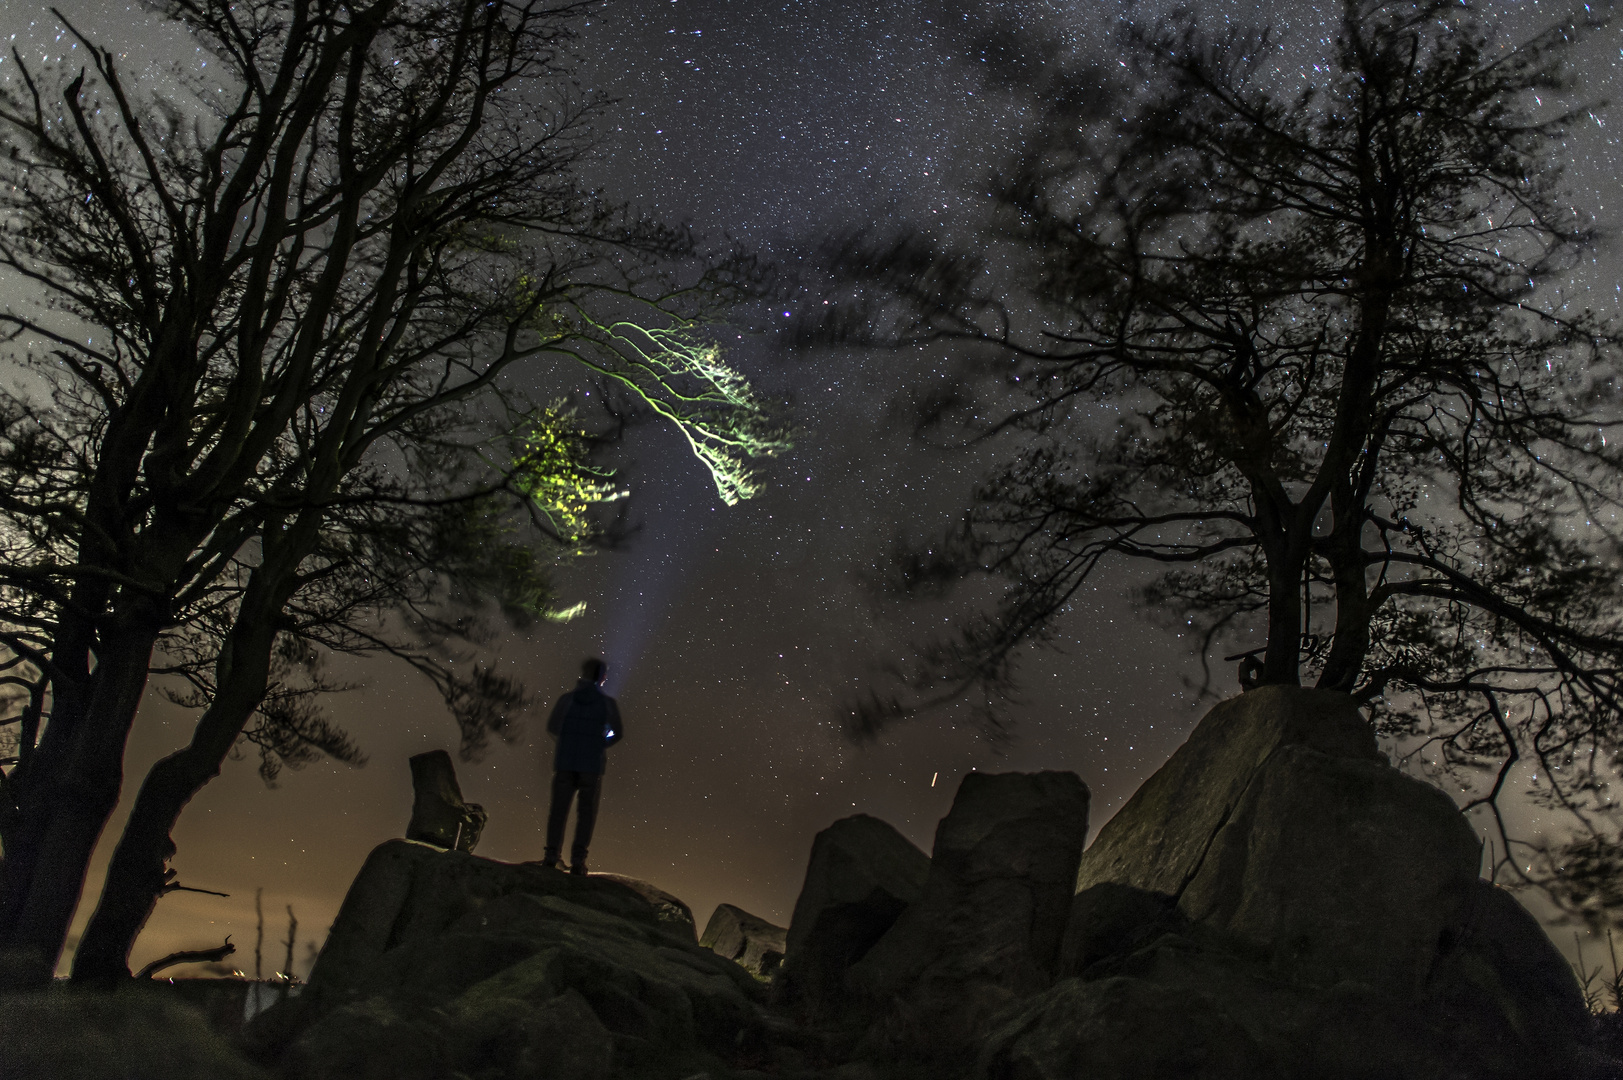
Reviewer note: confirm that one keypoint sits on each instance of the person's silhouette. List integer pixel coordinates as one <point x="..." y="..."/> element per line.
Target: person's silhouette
<point x="585" y="723"/>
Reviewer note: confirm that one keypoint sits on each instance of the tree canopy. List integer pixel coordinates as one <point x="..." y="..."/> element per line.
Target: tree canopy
<point x="1311" y="346"/>
<point x="303" y="379"/>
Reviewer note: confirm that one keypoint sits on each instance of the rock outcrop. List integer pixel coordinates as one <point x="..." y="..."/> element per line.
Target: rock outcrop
<point x="442" y="963"/>
<point x="438" y="814"/>
<point x="1340" y="868"/>
<point x="670" y="910"/>
<point x="1276" y="903"/>
<point x="747" y="940"/>
<point x="1319" y="912"/>
<point x="1158" y="840"/>
<point x="1280" y="823"/>
<point x="988" y="927"/>
<point x="1125" y="1029"/>
<point x="861" y="876"/>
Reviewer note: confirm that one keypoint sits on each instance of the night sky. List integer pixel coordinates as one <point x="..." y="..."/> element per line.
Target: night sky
<point x="732" y="631"/>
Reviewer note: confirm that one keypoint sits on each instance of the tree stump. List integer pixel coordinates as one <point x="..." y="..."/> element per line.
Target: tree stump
<point x="438" y="814"/>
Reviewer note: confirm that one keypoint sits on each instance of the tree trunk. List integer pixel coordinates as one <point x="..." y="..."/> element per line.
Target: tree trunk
<point x="1282" y="665"/>
<point x="136" y="876"/>
<point x="46" y="875"/>
<point x="61" y="805"/>
<point x="1350" y="645"/>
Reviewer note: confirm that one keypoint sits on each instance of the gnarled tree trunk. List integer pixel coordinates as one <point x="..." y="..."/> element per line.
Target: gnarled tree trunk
<point x="57" y="808"/>
<point x="138" y="873"/>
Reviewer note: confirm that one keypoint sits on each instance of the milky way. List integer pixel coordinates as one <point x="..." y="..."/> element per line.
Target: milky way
<point x="731" y="631"/>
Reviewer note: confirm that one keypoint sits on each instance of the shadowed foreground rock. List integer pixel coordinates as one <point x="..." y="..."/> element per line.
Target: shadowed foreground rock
<point x="861" y="876"/>
<point x="1316" y="912"/>
<point x="672" y="912"/>
<point x="748" y="940"/>
<point x="988" y="927"/>
<point x="441" y="963"/>
<point x="1126" y="1029"/>
<point x="141" y="1032"/>
<point x="1276" y="903"/>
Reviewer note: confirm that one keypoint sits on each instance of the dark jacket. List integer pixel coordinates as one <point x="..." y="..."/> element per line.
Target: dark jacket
<point x="586" y="721"/>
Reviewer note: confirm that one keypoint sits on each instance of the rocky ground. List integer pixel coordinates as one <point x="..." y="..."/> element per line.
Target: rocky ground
<point x="1276" y="902"/>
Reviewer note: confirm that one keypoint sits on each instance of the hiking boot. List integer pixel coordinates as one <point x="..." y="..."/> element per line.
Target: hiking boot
<point x="578" y="870"/>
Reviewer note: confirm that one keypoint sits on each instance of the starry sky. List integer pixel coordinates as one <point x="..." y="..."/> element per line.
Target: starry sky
<point x="731" y="631"/>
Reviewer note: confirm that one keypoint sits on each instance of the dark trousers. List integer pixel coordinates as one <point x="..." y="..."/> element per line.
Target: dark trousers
<point x="567" y="784"/>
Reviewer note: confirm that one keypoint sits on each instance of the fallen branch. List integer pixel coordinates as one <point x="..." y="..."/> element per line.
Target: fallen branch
<point x="188" y="956"/>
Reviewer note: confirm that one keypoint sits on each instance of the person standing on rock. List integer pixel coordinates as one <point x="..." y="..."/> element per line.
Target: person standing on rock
<point x="585" y="723"/>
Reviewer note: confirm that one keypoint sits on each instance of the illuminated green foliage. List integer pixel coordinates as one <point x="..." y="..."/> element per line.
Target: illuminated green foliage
<point x="675" y="373"/>
<point x="682" y="378"/>
<point x="566" y="614"/>
<point x="555" y="474"/>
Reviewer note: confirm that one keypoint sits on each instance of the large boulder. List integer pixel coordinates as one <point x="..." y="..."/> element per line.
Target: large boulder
<point x="1157" y="841"/>
<point x="988" y="928"/>
<point x="861" y="876"/>
<point x="1498" y="974"/>
<point x="747" y="940"/>
<point x="1278" y="871"/>
<point x="1340" y="868"/>
<point x="1280" y="823"/>
<point x="441" y="963"/>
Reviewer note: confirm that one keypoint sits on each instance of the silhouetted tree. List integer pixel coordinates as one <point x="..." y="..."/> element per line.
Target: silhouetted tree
<point x="1306" y="341"/>
<point x="277" y="402"/>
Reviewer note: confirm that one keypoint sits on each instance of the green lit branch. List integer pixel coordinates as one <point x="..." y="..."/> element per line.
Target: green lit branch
<point x="684" y="379"/>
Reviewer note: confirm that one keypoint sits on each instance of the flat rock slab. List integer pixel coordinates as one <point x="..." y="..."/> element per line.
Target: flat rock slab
<point x="408" y="891"/>
<point x="747" y="940"/>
